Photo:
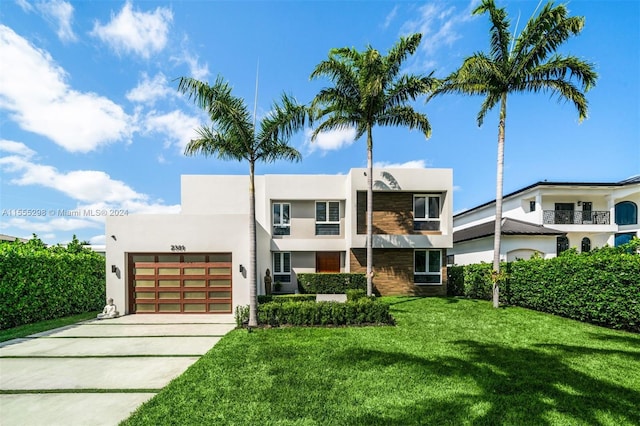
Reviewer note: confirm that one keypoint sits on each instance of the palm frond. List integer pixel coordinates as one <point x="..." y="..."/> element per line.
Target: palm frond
<point x="543" y="35"/>
<point x="212" y="144"/>
<point x="285" y="118"/>
<point x="500" y="37"/>
<point x="490" y="101"/>
<point x="404" y="115"/>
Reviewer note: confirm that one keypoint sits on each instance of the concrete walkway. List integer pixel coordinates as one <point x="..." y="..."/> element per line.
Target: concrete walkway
<point x="98" y="372"/>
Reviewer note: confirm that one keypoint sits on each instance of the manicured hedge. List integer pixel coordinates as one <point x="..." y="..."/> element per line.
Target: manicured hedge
<point x="601" y="287"/>
<point x="39" y="283"/>
<point x="307" y="313"/>
<point x="280" y="298"/>
<point x="331" y="283"/>
<point x="356" y="312"/>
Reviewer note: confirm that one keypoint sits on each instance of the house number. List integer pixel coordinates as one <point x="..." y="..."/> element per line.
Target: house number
<point x="175" y="247"/>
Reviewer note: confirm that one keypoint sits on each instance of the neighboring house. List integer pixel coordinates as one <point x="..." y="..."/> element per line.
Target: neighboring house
<point x="5" y="237"/>
<point x="197" y="260"/>
<point x="547" y="218"/>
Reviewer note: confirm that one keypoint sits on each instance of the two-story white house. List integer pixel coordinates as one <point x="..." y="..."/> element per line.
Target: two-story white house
<point x="547" y="218"/>
<point x="197" y="261"/>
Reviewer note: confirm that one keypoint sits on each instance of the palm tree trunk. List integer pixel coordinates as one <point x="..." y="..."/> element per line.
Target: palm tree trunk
<point x="253" y="305"/>
<point x="369" y="213"/>
<point x="499" y="180"/>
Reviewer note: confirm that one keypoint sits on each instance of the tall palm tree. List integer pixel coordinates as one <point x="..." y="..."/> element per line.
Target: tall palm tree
<point x="234" y="136"/>
<point x="369" y="90"/>
<point x="529" y="65"/>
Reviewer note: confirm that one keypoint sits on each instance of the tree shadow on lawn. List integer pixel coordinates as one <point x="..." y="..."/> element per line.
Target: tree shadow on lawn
<point x="631" y="340"/>
<point x="634" y="354"/>
<point x="516" y="386"/>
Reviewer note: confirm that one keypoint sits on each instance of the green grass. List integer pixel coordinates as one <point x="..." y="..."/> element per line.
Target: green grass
<point x="38" y="327"/>
<point x="448" y="361"/>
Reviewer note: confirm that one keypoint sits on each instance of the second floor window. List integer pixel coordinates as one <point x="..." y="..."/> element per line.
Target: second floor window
<point x="327" y="218"/>
<point x="281" y="219"/>
<point x="426" y="212"/>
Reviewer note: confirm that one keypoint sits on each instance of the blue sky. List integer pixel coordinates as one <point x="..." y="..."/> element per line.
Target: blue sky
<point x="90" y="118"/>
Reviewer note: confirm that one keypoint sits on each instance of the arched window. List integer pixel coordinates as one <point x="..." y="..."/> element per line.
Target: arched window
<point x="626" y="213"/>
<point x="586" y="245"/>
<point x="562" y="244"/>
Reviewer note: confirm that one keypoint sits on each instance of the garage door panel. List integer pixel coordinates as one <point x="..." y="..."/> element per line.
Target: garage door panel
<point x="170" y="283"/>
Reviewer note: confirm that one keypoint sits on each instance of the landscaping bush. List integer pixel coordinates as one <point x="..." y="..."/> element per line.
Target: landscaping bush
<point x="280" y="298"/>
<point x="355" y="294"/>
<point x="455" y="281"/>
<point x="355" y="312"/>
<point x="331" y="283"/>
<point x="39" y="283"/>
<point x="601" y="287"/>
<point x="309" y="313"/>
<point x="477" y="281"/>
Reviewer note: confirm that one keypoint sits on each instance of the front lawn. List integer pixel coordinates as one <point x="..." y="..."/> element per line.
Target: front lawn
<point x="40" y="326"/>
<point x="448" y="361"/>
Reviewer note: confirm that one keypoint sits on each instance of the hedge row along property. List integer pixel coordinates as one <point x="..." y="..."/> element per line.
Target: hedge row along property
<point x="39" y="283"/>
<point x="601" y="287"/>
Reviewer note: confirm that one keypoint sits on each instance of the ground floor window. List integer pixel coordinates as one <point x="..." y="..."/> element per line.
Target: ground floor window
<point x="427" y="267"/>
<point x="621" y="239"/>
<point x="586" y="245"/>
<point x="282" y="267"/>
<point x="562" y="244"/>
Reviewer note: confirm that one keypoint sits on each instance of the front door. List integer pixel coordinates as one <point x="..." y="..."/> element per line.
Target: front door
<point x="328" y="261"/>
<point x="564" y="213"/>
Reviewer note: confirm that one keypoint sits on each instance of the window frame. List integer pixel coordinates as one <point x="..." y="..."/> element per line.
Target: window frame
<point x="280" y="225"/>
<point x="427" y="263"/>
<point x="631" y="214"/>
<point x="278" y="274"/>
<point x="327" y="220"/>
<point x="427" y="212"/>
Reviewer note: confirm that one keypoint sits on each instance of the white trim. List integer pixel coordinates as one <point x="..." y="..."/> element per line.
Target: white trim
<point x="427" y="272"/>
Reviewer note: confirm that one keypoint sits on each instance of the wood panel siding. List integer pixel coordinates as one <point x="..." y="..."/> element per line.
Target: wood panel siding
<point x="392" y="214"/>
<point x="393" y="270"/>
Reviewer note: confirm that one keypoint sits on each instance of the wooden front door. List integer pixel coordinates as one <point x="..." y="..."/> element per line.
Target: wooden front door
<point x="328" y="261"/>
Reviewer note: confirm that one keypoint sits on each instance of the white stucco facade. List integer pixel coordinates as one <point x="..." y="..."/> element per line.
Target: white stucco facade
<point x="214" y="218"/>
<point x="587" y="213"/>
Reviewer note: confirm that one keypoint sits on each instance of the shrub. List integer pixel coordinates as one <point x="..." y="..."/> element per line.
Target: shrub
<point x="455" y="281"/>
<point x="286" y="298"/>
<point x="242" y="315"/>
<point x="39" y="283"/>
<point x="601" y="287"/>
<point x="355" y="294"/>
<point x="331" y="283"/>
<point x="477" y="281"/>
<point x="355" y="312"/>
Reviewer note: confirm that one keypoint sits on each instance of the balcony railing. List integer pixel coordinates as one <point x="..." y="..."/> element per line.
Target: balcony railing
<point x="569" y="217"/>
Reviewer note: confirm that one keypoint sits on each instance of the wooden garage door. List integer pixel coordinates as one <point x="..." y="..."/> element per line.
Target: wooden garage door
<point x="180" y="283"/>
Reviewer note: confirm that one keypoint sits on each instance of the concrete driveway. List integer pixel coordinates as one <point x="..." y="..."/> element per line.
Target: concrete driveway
<point x="98" y="372"/>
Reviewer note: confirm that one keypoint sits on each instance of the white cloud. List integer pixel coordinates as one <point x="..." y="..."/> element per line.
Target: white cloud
<point x="99" y="239"/>
<point x="34" y="90"/>
<point x="61" y="14"/>
<point x="413" y="164"/>
<point x="49" y="225"/>
<point x="331" y="140"/>
<point x="148" y="91"/>
<point x="25" y="5"/>
<point x="18" y="148"/>
<point x="176" y="126"/>
<point x="390" y="17"/>
<point x="196" y="70"/>
<point x="130" y="31"/>
<point x="91" y="189"/>
<point x="438" y="23"/>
